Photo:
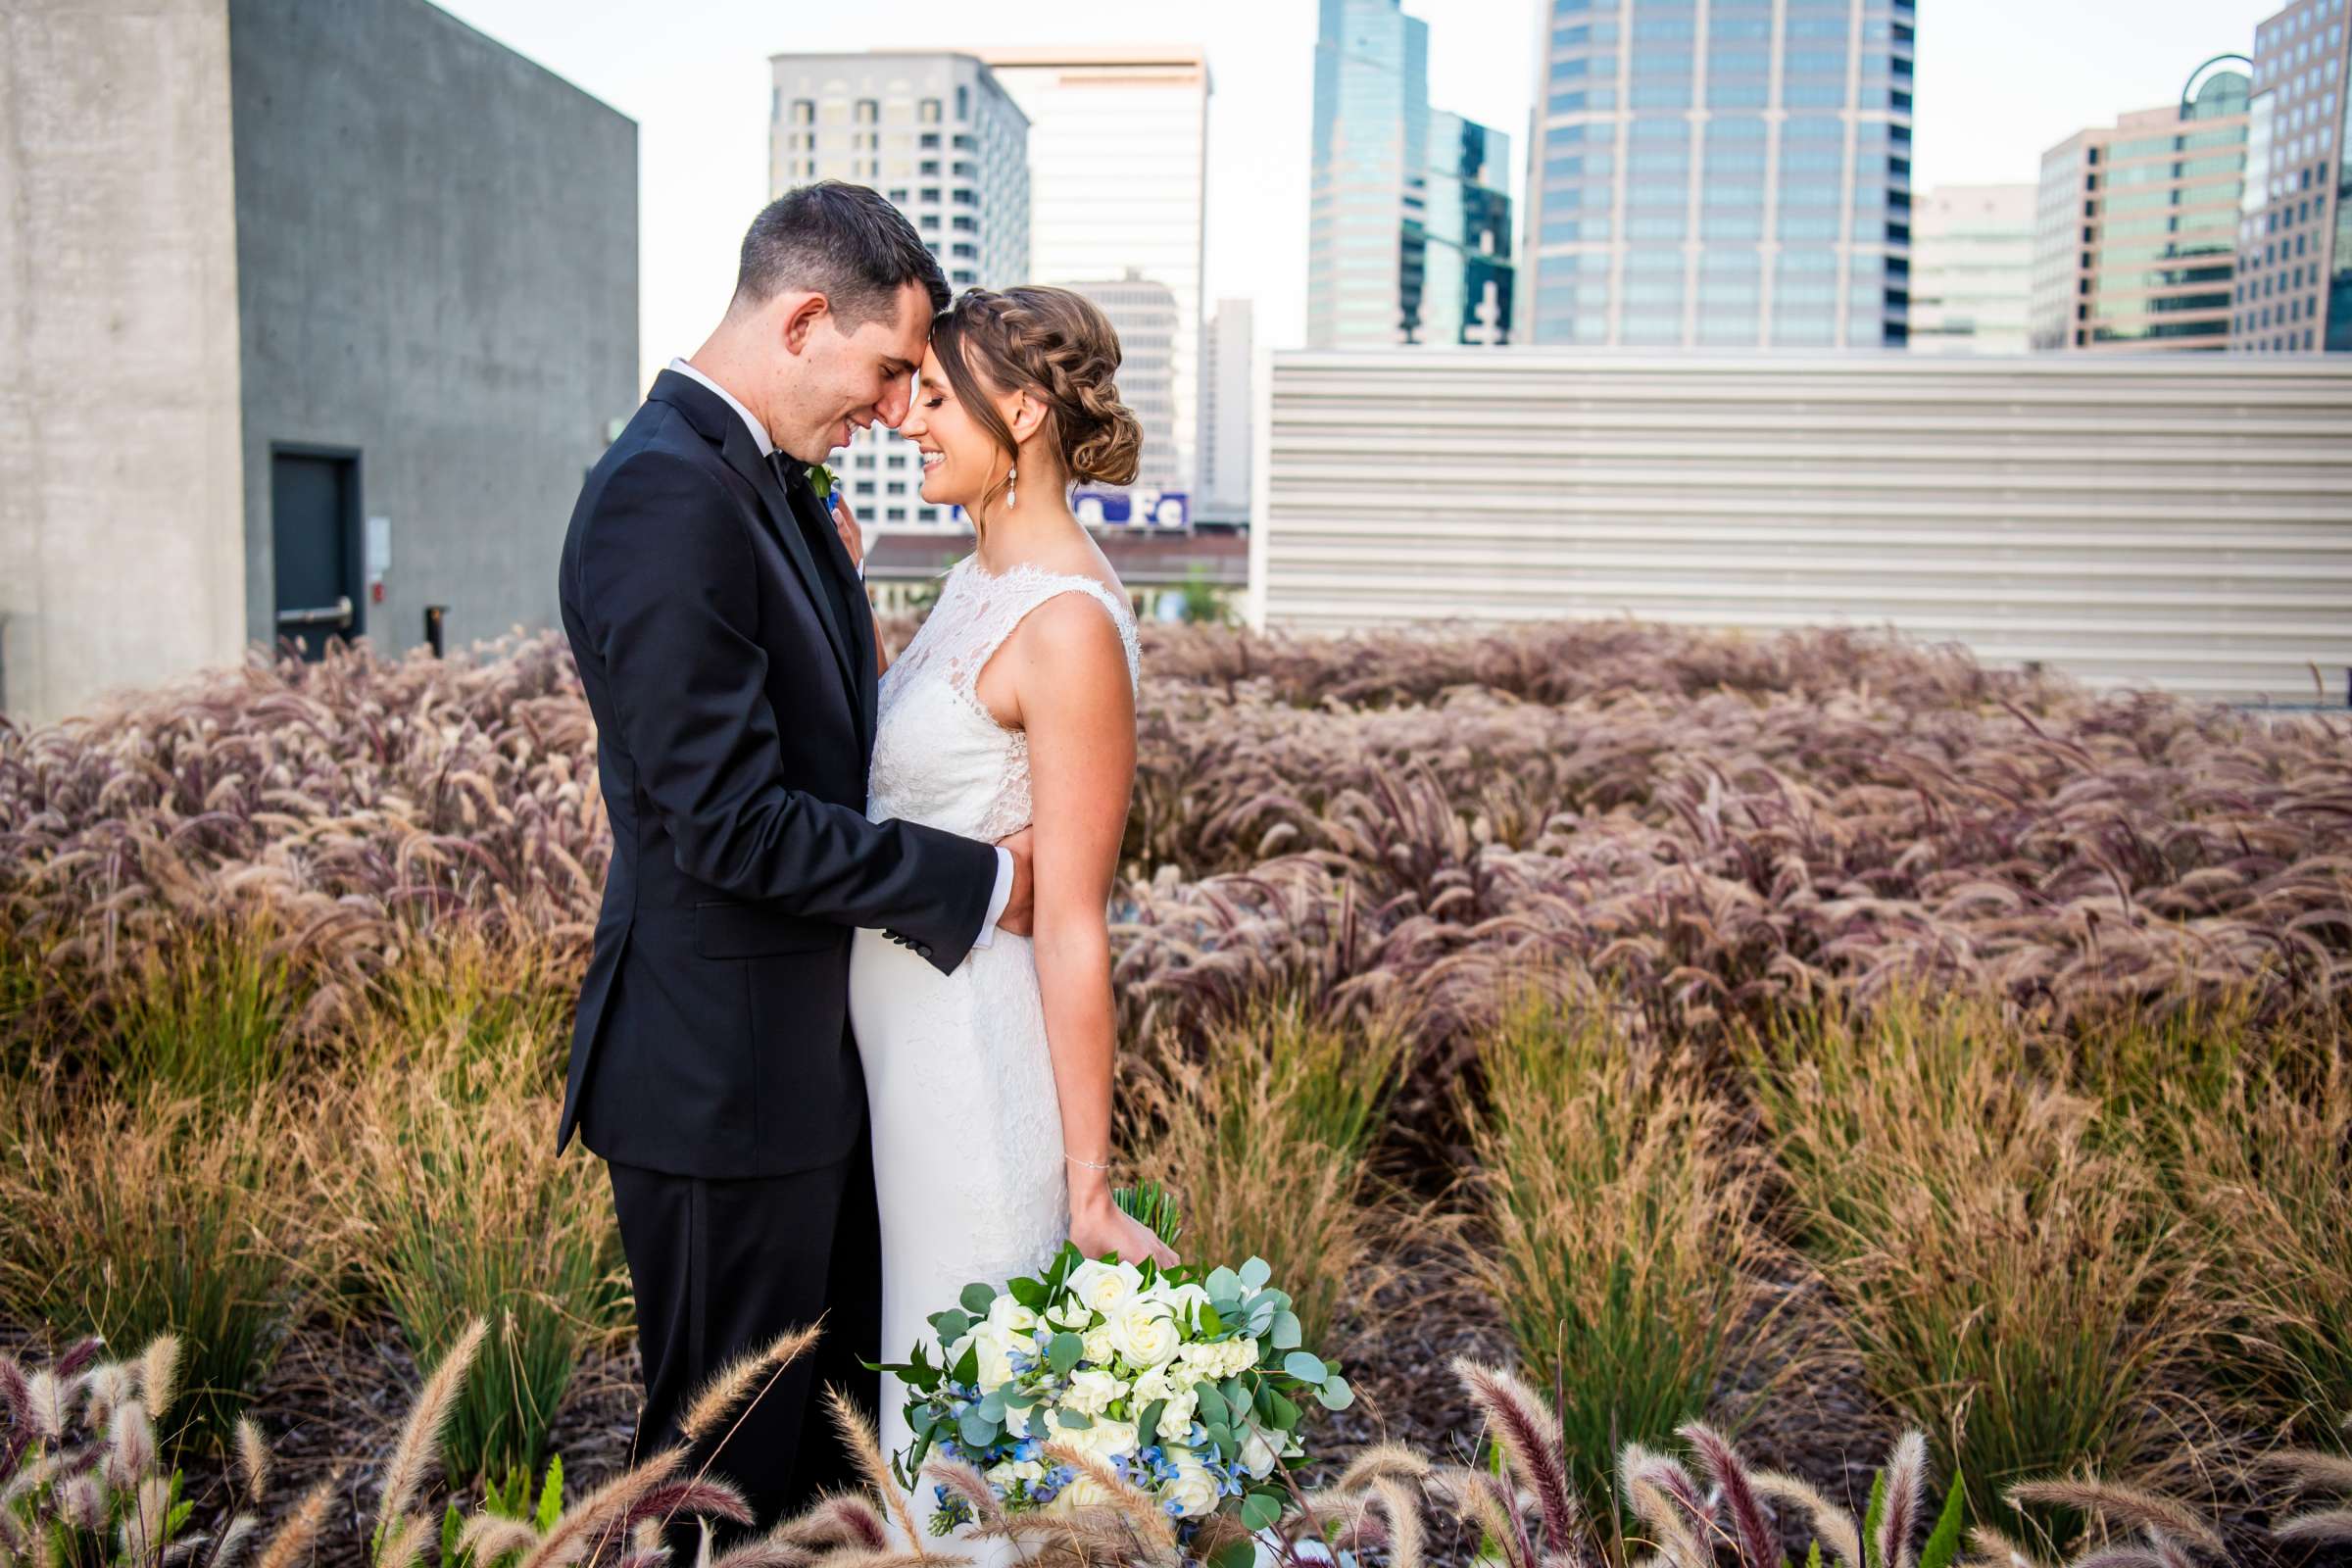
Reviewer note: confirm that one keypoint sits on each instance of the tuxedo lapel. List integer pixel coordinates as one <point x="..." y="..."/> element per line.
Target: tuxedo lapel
<point x="818" y="523"/>
<point x="720" y="425"/>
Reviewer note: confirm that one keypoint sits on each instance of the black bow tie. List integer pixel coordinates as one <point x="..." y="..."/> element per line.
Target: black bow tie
<point x="783" y="467"/>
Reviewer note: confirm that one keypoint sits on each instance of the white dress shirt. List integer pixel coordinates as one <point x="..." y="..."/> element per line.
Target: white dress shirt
<point x="1004" y="889"/>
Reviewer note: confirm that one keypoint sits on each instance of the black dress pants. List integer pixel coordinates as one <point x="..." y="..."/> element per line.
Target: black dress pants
<point x="723" y="1268"/>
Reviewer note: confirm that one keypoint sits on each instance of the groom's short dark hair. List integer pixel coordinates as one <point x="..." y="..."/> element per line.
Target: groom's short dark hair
<point x="843" y="241"/>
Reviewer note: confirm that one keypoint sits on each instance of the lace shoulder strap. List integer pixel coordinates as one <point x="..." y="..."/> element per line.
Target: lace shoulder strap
<point x="1002" y="603"/>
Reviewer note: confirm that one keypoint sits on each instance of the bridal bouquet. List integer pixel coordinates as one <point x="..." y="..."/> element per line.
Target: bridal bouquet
<point x="1188" y="1387"/>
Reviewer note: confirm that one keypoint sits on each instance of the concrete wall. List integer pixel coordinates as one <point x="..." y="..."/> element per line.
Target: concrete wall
<point x="121" y="525"/>
<point x="437" y="266"/>
<point x="2176" y="521"/>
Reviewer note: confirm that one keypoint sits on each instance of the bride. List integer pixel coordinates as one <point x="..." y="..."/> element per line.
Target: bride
<point x="1013" y="705"/>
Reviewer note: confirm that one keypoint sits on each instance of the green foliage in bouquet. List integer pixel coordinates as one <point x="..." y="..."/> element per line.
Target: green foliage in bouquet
<point x="1190" y="1386"/>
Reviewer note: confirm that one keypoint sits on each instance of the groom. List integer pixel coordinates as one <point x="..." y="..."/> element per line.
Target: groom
<point x="728" y="656"/>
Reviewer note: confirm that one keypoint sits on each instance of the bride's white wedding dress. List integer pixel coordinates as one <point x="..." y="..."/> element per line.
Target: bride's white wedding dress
<point x="969" y="1169"/>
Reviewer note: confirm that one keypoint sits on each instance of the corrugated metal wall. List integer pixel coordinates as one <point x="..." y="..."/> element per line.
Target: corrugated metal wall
<point x="2182" y="522"/>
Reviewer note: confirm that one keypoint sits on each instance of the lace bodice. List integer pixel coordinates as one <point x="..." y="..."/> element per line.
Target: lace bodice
<point x="941" y="758"/>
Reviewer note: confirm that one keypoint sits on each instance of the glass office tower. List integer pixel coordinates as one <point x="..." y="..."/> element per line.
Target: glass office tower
<point x="1409" y="227"/>
<point x="1732" y="175"/>
<point x="2293" y="290"/>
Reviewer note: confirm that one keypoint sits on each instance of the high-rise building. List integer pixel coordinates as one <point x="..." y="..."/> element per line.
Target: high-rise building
<point x="1466" y="271"/>
<point x="940" y="137"/>
<point x="1733" y="173"/>
<point x="1410" y="217"/>
<point x="1972" y="269"/>
<point x="1142" y="311"/>
<point x="1228" y="408"/>
<point x="2137" y="226"/>
<point x="1118" y="160"/>
<point x="2293" y="288"/>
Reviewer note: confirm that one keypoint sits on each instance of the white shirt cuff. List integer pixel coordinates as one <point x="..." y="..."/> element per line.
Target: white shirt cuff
<point x="997" y="900"/>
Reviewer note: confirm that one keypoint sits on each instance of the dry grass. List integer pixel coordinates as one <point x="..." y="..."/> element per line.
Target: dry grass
<point x="1621" y="1218"/>
<point x="1264" y="1141"/>
<point x="138" y="1217"/>
<point x="2010" y="1268"/>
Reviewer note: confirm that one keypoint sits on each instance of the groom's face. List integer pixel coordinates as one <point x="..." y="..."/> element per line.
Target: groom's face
<point x="858" y="379"/>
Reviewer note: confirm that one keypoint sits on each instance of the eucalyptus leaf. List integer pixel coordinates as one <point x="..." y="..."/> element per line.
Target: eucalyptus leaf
<point x="977" y="1300"/>
<point x="1223" y="1285"/>
<point x="1241" y="1553"/>
<point x="976" y="1430"/>
<point x="1147" y="1425"/>
<point x="1211" y="1410"/>
<point x="950" y="1326"/>
<point x="1260" y="1510"/>
<point x="1286" y="1331"/>
<point x="1075" y="1420"/>
<point x="1305" y="1366"/>
<point x="1255" y="1273"/>
<point x="1336" y="1395"/>
<point x="1066" y="1352"/>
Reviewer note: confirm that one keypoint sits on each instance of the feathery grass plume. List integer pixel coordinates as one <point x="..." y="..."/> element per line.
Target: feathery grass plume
<point x="843" y="1521"/>
<point x="488" y="1537"/>
<point x="131" y="1447"/>
<point x="293" y="1541"/>
<point x="1481" y="1501"/>
<point x="858" y="1435"/>
<point x="421" y="1435"/>
<point x="966" y="1480"/>
<point x="733" y="1382"/>
<point x="2313" y="1467"/>
<point x="2125" y="1506"/>
<point x="765" y="1552"/>
<point x="402" y="1545"/>
<point x="1904" y="1501"/>
<point x="596" y="1518"/>
<point x="1833" y="1525"/>
<point x="1660" y="1494"/>
<point x="144" y="1533"/>
<point x="1996" y="1550"/>
<point x="253" y="1459"/>
<point x="1138" y="1507"/>
<point x="234" y="1541"/>
<point x="1382" y="1459"/>
<point x="2316" y="1527"/>
<point x="1529" y="1432"/>
<point x="1406" y="1536"/>
<point x="1754" y="1536"/>
<point x="159" y="1365"/>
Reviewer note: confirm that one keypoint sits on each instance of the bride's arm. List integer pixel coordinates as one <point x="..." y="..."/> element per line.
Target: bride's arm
<point x="1071" y="684"/>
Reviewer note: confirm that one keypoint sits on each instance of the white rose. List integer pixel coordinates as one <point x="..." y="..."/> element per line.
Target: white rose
<point x="1097" y="1346"/>
<point x="1193" y="1491"/>
<point x="1105" y="1438"/>
<point x="1176" y="1421"/>
<point x="994" y="1351"/>
<point x="1240" y="1356"/>
<point x="1257" y="1456"/>
<point x="1092" y="1390"/>
<point x="1069" y="1314"/>
<point x="1145" y="1334"/>
<point x="1016" y="1420"/>
<point x="1156" y="1384"/>
<point x="1104" y="1286"/>
<point x="1185" y="1300"/>
<point x="1083" y="1492"/>
<point x="1012" y="1317"/>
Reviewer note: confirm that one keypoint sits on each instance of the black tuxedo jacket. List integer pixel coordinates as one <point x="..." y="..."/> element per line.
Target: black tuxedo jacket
<point x="735" y="720"/>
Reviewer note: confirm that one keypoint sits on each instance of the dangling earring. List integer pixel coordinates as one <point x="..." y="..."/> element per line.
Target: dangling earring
<point x="1010" y="473"/>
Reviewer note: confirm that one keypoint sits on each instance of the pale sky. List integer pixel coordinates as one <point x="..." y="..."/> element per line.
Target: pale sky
<point x="1998" y="81"/>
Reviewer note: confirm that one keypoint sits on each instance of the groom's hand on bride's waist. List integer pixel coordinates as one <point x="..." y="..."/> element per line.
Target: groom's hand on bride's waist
<point x="1018" y="907"/>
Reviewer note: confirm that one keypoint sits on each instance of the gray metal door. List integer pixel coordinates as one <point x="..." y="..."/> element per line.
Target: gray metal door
<point x="315" y="540"/>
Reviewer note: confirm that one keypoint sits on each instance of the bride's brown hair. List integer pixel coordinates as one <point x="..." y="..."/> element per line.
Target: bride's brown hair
<point x="1059" y="346"/>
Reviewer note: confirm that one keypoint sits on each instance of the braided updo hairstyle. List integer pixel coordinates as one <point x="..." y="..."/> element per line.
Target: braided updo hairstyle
<point x="1058" y="346"/>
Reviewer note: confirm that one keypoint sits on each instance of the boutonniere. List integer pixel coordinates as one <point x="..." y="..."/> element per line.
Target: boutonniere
<point x="820" y="479"/>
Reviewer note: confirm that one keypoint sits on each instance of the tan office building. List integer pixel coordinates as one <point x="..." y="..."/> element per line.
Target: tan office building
<point x="2136" y="240"/>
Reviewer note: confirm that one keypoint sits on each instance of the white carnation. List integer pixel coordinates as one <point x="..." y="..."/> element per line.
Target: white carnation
<point x="1176" y="1421"/>
<point x="1093" y="1391"/>
<point x="1099" y="1349"/>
